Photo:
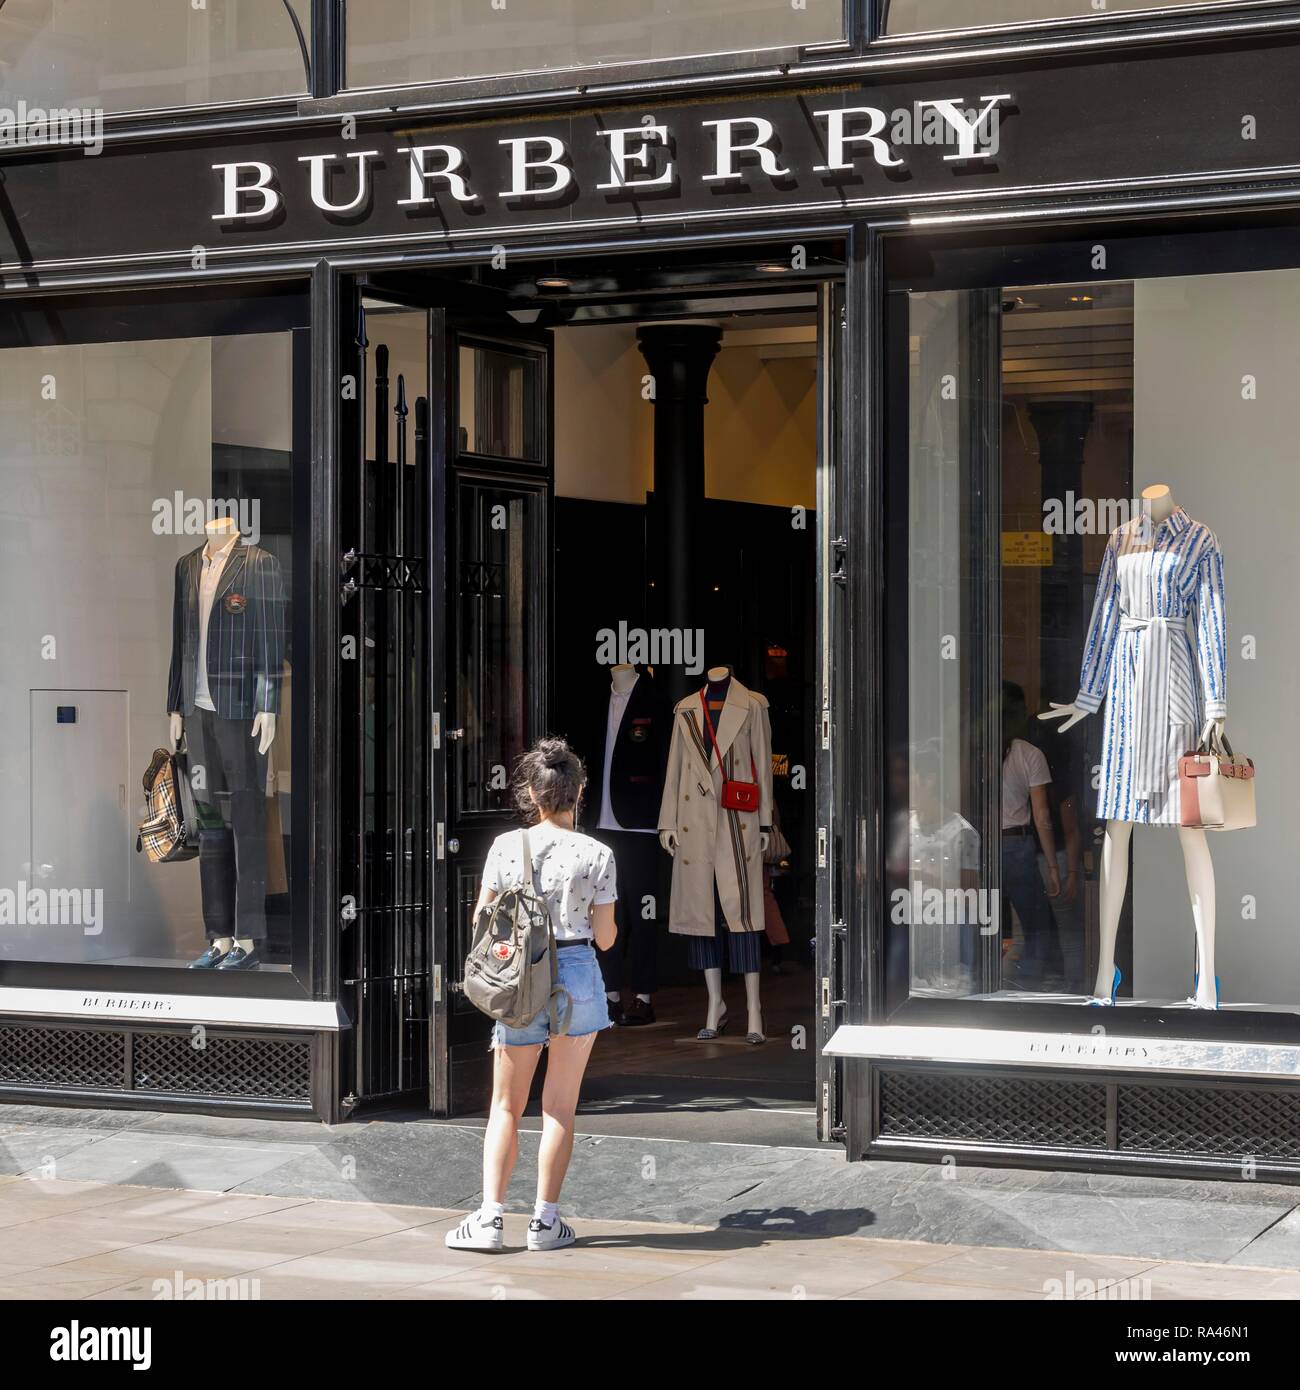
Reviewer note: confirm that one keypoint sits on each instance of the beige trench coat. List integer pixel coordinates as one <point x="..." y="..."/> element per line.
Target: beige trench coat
<point x="714" y="844"/>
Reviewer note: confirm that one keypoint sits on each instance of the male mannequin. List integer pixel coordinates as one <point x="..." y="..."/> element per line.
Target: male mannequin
<point x="628" y="745"/>
<point x="223" y="694"/>
<point x="717" y="896"/>
<point x="1156" y="652"/>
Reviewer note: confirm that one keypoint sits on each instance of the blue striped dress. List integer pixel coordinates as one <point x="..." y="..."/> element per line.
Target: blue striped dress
<point x="1157" y="655"/>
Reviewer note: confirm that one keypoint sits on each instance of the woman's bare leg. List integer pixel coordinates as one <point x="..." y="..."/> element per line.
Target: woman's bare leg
<point x="512" y="1075"/>
<point x="564" y="1071"/>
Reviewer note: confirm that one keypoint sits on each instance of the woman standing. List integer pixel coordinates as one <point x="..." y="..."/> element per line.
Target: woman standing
<point x="576" y="875"/>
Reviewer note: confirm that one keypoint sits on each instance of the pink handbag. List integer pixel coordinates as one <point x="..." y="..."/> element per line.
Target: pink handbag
<point x="1216" y="788"/>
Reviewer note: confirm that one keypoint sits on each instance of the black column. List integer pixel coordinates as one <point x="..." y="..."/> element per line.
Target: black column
<point x="679" y="356"/>
<point x="1062" y="429"/>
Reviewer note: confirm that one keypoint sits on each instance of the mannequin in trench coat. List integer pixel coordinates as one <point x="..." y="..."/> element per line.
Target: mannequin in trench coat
<point x="706" y="841"/>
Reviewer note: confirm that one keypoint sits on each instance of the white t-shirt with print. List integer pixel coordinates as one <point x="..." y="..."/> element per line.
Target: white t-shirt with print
<point x="576" y="873"/>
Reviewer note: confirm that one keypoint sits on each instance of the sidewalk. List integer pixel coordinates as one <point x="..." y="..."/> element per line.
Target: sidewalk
<point x="100" y="1202"/>
<point x="97" y="1241"/>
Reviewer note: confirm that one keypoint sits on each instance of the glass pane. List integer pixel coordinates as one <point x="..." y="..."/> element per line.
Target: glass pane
<point x="131" y="55"/>
<point x="390" y="42"/>
<point x="934" y="847"/>
<point x="147" y="548"/>
<point x="500" y="394"/>
<point x="919" y="16"/>
<point x="499" y="566"/>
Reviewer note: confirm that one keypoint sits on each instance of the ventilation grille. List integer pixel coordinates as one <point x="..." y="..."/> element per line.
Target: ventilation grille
<point x="976" y="1109"/>
<point x="251" y="1068"/>
<point x="1219" y="1124"/>
<point x="1234" y="1124"/>
<point x="84" y="1058"/>
<point x="269" y="1070"/>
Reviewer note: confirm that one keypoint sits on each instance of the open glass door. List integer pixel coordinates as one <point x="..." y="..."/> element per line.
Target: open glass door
<point x="490" y="447"/>
<point x="445" y="580"/>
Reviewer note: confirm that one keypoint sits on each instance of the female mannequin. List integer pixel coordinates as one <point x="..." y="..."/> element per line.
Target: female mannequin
<point x="1163" y="629"/>
<point x="692" y="911"/>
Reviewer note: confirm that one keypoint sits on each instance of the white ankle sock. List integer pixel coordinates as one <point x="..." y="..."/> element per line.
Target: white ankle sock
<point x="489" y="1210"/>
<point x="644" y="998"/>
<point x="546" y="1212"/>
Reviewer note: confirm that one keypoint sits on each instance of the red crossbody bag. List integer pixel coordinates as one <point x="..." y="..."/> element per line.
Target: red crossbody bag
<point x="736" y="796"/>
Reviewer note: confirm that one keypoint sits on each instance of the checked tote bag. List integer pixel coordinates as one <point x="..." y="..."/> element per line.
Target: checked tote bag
<point x="1216" y="788"/>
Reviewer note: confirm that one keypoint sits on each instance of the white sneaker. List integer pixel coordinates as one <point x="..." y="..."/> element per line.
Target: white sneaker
<point x="475" y="1233"/>
<point x="552" y="1237"/>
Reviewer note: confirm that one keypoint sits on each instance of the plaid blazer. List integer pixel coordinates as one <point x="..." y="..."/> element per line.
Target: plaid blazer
<point x="247" y="634"/>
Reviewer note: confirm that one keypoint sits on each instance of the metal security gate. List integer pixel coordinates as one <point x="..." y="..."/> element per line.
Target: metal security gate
<point x="385" y="724"/>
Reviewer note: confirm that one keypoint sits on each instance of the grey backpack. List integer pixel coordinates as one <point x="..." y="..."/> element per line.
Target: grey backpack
<point x="510" y="971"/>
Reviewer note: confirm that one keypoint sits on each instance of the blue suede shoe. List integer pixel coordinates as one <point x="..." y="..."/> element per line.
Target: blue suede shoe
<point x="209" y="960"/>
<point x="240" y="959"/>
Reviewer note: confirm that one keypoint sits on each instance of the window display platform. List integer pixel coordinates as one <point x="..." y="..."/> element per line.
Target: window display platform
<point x="1091" y="1051"/>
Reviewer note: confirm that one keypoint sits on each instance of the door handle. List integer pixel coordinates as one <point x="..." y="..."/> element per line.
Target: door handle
<point x="453" y="846"/>
<point x="455" y="733"/>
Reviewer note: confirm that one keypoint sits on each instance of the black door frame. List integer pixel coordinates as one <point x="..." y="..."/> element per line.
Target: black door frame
<point x="845" y="917"/>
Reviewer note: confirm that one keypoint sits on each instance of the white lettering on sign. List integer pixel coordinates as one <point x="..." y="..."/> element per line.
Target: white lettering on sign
<point x="630" y="158"/>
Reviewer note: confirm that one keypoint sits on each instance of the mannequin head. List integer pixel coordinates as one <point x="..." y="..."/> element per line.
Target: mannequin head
<point x="718" y="674"/>
<point x="220" y="531"/>
<point x="1158" y="501"/>
<point x="623" y="677"/>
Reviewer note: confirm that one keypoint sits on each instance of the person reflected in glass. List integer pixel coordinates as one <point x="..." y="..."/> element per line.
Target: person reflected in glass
<point x="1026" y="826"/>
<point x="933" y="869"/>
<point x="1068" y="905"/>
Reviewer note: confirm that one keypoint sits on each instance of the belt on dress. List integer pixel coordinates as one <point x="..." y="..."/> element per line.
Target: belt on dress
<point x="1151" y="715"/>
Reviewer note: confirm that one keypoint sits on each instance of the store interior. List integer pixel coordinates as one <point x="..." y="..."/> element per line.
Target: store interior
<point x="754" y="606"/>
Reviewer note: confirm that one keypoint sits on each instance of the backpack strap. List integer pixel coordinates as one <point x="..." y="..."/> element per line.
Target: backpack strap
<point x="559" y="1006"/>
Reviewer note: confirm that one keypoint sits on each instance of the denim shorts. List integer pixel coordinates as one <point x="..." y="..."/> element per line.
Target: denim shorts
<point x="579" y="972"/>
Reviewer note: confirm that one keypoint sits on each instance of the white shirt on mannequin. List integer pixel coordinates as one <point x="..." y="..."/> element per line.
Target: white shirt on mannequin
<point x="210" y="576"/>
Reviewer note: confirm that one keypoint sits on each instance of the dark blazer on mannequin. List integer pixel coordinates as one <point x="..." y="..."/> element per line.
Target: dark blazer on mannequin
<point x="636" y="776"/>
<point x="246" y="635"/>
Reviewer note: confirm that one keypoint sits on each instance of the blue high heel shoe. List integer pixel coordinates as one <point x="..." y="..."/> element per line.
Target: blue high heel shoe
<point x="1114" y="990"/>
<point x="1196" y="984"/>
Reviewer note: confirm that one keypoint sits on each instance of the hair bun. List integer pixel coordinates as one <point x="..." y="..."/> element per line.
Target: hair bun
<point x="555" y="753"/>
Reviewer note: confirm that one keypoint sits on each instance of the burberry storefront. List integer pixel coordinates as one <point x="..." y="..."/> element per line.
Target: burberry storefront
<point x="320" y="330"/>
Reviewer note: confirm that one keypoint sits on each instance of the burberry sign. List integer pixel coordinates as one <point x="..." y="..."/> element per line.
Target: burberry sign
<point x="650" y="158"/>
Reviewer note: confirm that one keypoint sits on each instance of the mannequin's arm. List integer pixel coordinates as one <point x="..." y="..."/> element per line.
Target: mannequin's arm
<point x="668" y="802"/>
<point x="1103" y="632"/>
<point x="264" y="730"/>
<point x="175" y="728"/>
<point x="1072" y="714"/>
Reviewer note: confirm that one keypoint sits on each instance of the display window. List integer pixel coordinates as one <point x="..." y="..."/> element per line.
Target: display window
<point x="149" y="562"/>
<point x="138" y="55"/>
<point x="926" y="16"/>
<point x="1089" y="490"/>
<point x="397" y="42"/>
